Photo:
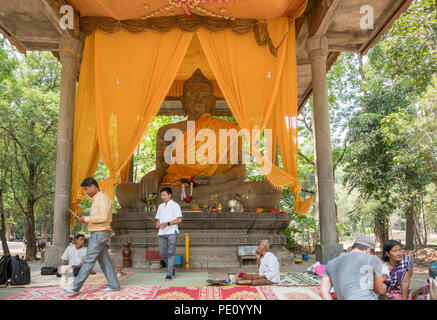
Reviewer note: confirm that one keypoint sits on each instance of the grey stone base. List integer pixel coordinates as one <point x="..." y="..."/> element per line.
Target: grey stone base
<point x="52" y="255"/>
<point x="214" y="237"/>
<point x="327" y="252"/>
<point x="200" y="257"/>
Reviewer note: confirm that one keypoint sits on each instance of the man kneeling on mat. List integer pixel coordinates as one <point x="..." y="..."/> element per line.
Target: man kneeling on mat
<point x="268" y="266"/>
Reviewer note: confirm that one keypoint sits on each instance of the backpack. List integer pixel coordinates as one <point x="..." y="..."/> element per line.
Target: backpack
<point x="20" y="272"/>
<point x="47" y="271"/>
<point x="5" y="269"/>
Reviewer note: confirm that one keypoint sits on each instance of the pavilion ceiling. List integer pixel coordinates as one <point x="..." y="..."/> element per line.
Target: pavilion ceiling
<point x="34" y="25"/>
<point x="137" y="9"/>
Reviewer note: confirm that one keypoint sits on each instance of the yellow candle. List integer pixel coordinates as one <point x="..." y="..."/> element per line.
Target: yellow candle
<point x="187" y="251"/>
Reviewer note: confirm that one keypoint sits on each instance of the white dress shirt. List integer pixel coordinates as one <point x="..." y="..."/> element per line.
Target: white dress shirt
<point x="269" y="267"/>
<point x="168" y="212"/>
<point x="74" y="256"/>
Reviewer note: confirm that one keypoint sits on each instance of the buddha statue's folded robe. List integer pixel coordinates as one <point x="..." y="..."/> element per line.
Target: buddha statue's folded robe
<point x="203" y="153"/>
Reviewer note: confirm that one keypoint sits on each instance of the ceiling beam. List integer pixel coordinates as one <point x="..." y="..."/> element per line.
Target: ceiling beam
<point x="8" y="35"/>
<point x="378" y="33"/>
<point x="320" y="15"/>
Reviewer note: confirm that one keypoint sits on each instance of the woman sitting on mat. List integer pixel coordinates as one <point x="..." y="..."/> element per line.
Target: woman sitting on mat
<point x="400" y="270"/>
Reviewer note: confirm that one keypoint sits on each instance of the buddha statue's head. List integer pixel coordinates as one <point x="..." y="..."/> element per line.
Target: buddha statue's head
<point x="198" y="96"/>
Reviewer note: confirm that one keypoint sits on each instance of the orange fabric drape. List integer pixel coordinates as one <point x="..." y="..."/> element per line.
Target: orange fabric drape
<point x="86" y="154"/>
<point x="85" y="145"/>
<point x="249" y="78"/>
<point x="248" y="75"/>
<point x="133" y="72"/>
<point x="284" y="120"/>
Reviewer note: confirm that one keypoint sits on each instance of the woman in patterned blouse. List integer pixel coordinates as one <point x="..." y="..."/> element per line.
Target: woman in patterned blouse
<point x="400" y="269"/>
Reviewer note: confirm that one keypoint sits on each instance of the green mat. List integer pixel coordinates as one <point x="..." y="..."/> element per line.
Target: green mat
<point x="182" y="279"/>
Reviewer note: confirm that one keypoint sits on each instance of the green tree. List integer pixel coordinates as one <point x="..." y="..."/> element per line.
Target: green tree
<point x="399" y="69"/>
<point x="411" y="134"/>
<point x="28" y="120"/>
<point x="7" y="65"/>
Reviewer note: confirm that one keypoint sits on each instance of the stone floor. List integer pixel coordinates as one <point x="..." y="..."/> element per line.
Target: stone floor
<point x="198" y="276"/>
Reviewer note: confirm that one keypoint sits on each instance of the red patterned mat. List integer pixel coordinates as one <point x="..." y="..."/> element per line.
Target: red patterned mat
<point x="289" y="293"/>
<point x="230" y="293"/>
<point x="179" y="293"/>
<point x="88" y="293"/>
<point x="175" y="293"/>
<point x="40" y="281"/>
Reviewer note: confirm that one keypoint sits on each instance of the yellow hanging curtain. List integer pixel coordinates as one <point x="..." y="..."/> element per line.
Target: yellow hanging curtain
<point x="133" y="73"/>
<point x="249" y="77"/>
<point x="284" y="120"/>
<point x="85" y="144"/>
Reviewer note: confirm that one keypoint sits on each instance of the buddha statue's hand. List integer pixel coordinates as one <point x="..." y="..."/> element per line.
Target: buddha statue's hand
<point x="149" y="184"/>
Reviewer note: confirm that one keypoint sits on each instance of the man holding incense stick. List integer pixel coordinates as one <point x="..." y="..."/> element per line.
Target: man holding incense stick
<point x="100" y="228"/>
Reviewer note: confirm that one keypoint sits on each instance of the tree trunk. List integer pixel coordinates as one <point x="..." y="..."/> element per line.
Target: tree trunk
<point x="417" y="232"/>
<point x="316" y="218"/>
<point x="44" y="225"/>
<point x="390" y="232"/>
<point x="135" y="171"/>
<point x="425" y="229"/>
<point x="130" y="177"/>
<point x="381" y="228"/>
<point x="409" y="243"/>
<point x="52" y="217"/>
<point x="336" y="221"/>
<point x="30" y="234"/>
<point x="9" y="225"/>
<point x="3" y="226"/>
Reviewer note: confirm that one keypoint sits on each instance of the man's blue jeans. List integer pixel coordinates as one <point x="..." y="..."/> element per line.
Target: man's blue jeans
<point x="167" y="250"/>
<point x="97" y="250"/>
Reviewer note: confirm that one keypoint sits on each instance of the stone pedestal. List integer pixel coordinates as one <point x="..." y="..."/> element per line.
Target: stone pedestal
<point x="52" y="255"/>
<point x="214" y="237"/>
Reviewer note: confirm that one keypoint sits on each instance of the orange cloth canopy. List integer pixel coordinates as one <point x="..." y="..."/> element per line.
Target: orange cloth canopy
<point x="135" y="9"/>
<point x="125" y="77"/>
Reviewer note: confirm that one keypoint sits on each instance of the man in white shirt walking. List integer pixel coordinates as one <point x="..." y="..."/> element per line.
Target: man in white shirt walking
<point x="168" y="217"/>
<point x="268" y="266"/>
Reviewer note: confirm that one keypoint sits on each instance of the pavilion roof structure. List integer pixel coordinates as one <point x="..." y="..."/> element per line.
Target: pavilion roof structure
<point x="34" y="25"/>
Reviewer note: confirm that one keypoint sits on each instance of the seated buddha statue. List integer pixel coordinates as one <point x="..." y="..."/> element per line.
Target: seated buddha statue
<point x="221" y="178"/>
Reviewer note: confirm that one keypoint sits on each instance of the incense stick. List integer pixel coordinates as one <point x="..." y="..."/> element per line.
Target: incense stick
<point x="75" y="215"/>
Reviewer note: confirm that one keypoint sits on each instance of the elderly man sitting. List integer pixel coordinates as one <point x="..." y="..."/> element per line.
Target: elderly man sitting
<point x="268" y="266"/>
<point x="74" y="255"/>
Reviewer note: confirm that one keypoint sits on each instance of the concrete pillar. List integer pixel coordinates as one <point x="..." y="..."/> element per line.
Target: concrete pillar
<point x="317" y="49"/>
<point x="69" y="51"/>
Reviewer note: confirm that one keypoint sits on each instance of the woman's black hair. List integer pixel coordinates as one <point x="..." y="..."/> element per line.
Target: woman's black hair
<point x="387" y="247"/>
